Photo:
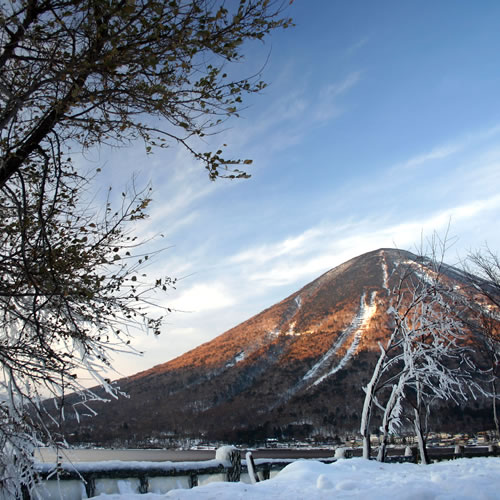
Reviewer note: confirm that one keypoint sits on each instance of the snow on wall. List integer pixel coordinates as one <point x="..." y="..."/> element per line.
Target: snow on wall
<point x="53" y="490"/>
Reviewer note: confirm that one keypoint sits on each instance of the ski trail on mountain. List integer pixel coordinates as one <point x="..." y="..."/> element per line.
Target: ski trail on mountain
<point x="365" y="314"/>
<point x="298" y="302"/>
<point x="385" y="274"/>
<point x="357" y="326"/>
<point x="338" y="344"/>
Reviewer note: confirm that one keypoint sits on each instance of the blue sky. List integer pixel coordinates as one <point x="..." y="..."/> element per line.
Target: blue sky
<point x="381" y="122"/>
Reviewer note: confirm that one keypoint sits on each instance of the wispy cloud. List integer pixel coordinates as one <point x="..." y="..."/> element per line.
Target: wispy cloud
<point x="334" y="90"/>
<point x="265" y="253"/>
<point x="446" y="150"/>
<point x="438" y="153"/>
<point x="320" y="248"/>
<point x="291" y="115"/>
<point x="329" y="106"/>
<point x="355" y="47"/>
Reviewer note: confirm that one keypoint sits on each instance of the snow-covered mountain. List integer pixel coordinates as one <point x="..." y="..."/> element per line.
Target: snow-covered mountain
<point x="296" y="368"/>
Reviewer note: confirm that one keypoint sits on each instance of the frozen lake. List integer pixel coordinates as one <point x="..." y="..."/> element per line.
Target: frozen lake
<point x="100" y="455"/>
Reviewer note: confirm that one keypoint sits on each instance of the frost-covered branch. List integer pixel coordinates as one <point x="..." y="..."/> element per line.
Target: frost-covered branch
<point x="426" y="358"/>
<point x="70" y="291"/>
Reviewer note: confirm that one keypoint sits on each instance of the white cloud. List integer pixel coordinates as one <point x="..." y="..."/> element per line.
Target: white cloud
<point x="203" y="297"/>
<point x="320" y="248"/>
<point x="288" y="272"/>
<point x="246" y="282"/>
<point x="265" y="253"/>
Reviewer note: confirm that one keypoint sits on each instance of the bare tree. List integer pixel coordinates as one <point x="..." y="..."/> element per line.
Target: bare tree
<point x="434" y="357"/>
<point x="489" y="345"/>
<point x="386" y="372"/>
<point x="96" y="72"/>
<point x="424" y="359"/>
<point x="482" y="269"/>
<point x="73" y="75"/>
<point x="71" y="291"/>
<point x="484" y="273"/>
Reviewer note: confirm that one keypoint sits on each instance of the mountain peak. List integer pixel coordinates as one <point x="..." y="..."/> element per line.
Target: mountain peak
<point x="293" y="363"/>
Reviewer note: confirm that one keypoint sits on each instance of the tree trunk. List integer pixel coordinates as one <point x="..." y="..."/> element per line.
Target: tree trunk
<point x="422" y="448"/>
<point x="385" y="426"/>
<point x="382" y="451"/>
<point x="495" y="415"/>
<point x="367" y="448"/>
<point x="370" y="391"/>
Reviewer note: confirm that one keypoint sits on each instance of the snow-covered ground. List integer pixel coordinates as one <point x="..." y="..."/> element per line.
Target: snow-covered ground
<point x="356" y="478"/>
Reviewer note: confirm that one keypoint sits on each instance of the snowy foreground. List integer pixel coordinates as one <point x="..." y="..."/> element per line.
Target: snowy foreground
<point x="462" y="479"/>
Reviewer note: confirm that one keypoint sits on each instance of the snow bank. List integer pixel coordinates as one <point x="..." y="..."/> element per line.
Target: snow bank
<point x="224" y="453"/>
<point x="463" y="479"/>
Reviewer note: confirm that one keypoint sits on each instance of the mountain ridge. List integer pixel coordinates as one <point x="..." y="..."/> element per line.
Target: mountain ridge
<point x="299" y="363"/>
